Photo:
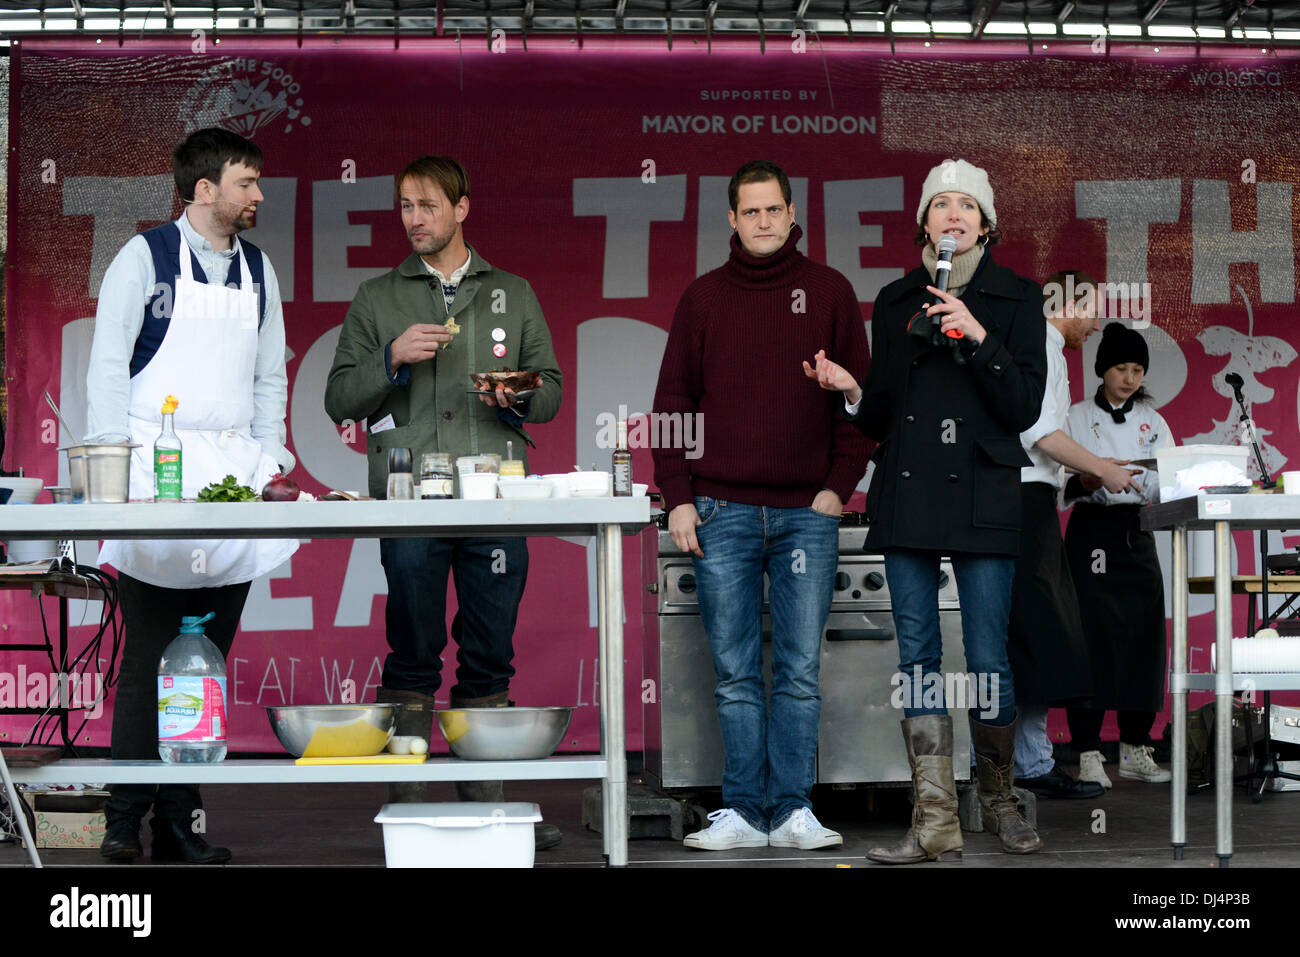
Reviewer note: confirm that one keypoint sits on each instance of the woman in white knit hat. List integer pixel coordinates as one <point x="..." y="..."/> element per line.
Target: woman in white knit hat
<point x="955" y="377"/>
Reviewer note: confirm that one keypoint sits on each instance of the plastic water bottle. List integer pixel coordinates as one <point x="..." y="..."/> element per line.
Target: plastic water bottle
<point x="192" y="697"/>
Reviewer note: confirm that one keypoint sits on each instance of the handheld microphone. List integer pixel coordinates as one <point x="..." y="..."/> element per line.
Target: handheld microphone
<point x="945" y="247"/>
<point x="1236" y="382"/>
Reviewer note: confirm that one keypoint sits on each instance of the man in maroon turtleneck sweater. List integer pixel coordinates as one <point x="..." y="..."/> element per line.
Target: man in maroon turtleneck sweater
<point x="762" y="495"/>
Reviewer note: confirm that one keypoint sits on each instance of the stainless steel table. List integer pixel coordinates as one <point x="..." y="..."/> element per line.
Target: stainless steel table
<point x="1222" y="513"/>
<point x="608" y="519"/>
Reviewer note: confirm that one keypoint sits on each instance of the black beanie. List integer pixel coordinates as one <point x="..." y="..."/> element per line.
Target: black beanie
<point x="1120" y="344"/>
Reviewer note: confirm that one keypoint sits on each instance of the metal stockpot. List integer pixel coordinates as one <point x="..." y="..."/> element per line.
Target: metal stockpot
<point x="100" y="472"/>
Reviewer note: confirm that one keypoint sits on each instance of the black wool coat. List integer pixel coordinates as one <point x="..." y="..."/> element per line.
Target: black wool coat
<point x="947" y="471"/>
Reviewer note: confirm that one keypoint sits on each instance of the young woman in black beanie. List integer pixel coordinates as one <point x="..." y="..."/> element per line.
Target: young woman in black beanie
<point x="1114" y="565"/>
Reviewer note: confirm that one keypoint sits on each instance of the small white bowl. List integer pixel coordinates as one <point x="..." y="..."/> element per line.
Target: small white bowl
<point x="590" y="484"/>
<point x="25" y="490"/>
<point x="639" y="489"/>
<point x="514" y="487"/>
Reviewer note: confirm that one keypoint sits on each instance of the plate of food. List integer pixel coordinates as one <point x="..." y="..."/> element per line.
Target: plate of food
<point x="517" y="381"/>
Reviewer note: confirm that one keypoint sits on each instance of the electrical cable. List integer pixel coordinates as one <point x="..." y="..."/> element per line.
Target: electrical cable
<point x="86" y="662"/>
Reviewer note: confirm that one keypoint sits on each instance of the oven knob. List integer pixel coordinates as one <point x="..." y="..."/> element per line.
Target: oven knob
<point x="687" y="584"/>
<point x="842" y="581"/>
<point x="874" y="581"/>
<point x="943" y="579"/>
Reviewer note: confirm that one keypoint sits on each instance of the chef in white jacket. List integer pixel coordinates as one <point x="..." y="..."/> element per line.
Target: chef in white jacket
<point x="1114" y="565"/>
<point x="187" y="309"/>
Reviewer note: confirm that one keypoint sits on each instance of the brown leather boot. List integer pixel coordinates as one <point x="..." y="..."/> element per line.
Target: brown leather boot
<point x="488" y="792"/>
<point x="935" y="833"/>
<point x="545" y="836"/>
<point x="999" y="806"/>
<point x="415" y="718"/>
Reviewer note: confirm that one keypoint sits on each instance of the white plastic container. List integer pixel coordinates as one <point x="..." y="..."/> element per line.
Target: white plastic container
<point x="1170" y="460"/>
<point x="479" y="485"/>
<point x="514" y="487"/>
<point x="559" y="482"/>
<point x="21" y="552"/>
<point x="590" y="484"/>
<point x="459" y="834"/>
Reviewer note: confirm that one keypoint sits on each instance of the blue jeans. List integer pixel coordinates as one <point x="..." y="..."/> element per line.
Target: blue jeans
<point x="984" y="587"/>
<point x="769" y="762"/>
<point x="489" y="576"/>
<point x="1033" y="746"/>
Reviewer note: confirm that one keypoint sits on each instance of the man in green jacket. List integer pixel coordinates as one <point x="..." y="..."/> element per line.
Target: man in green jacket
<point x="409" y="343"/>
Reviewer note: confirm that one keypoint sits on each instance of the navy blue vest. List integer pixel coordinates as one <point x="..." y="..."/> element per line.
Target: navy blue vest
<point x="165" y="247"/>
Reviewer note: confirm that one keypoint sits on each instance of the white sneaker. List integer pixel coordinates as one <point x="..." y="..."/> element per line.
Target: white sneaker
<point x="1136" y="764"/>
<point x="802" y="830"/>
<point x="728" y="830"/>
<point x="1090" y="768"/>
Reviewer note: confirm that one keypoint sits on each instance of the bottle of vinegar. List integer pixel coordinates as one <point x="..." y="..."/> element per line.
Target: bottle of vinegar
<point x="167" y="457"/>
<point x="621" y="463"/>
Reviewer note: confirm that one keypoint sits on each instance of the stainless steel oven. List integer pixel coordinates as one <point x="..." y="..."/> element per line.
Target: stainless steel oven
<point x="859" y="742"/>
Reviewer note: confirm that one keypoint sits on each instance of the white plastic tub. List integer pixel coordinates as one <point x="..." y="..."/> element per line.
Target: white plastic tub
<point x="459" y="834"/>
<point x="515" y="487"/>
<point x="478" y="485"/>
<point x="1170" y="460"/>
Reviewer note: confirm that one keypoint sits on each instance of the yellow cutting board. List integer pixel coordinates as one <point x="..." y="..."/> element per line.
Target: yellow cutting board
<point x="368" y="759"/>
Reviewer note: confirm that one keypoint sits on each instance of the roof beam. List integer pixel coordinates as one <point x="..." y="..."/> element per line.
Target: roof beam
<point x="981" y="16"/>
<point x="1151" y="12"/>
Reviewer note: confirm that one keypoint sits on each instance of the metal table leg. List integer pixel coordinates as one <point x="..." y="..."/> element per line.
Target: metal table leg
<point x="612" y="705"/>
<point x="602" y="680"/>
<point x="1223" y="692"/>
<point x="1178" y="698"/>
<point x="11" y="793"/>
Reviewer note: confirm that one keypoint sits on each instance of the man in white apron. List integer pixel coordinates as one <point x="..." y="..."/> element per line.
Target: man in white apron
<point x="187" y="309"/>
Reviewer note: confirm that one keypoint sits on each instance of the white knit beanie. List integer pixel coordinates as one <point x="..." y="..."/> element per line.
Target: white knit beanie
<point x="958" y="176"/>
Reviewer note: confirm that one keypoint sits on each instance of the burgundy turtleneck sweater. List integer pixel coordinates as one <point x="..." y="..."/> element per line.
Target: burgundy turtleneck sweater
<point x="770" y="435"/>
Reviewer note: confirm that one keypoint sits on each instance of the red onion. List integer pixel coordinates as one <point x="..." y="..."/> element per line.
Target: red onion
<point x="280" y="489"/>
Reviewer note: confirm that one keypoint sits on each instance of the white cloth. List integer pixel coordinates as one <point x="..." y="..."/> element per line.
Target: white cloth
<point x="127" y="288"/>
<point x="207" y="359"/>
<point x="1051" y="417"/>
<point x="1189" y="481"/>
<point x="1142" y="432"/>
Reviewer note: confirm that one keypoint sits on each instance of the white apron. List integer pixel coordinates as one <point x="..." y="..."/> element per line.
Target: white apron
<point x="206" y="360"/>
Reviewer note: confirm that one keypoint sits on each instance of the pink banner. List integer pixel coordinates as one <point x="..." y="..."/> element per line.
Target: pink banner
<point x="599" y="174"/>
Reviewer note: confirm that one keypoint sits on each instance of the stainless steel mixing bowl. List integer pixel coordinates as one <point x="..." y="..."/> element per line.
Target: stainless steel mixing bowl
<point x="333" y="730"/>
<point x="504" y="734"/>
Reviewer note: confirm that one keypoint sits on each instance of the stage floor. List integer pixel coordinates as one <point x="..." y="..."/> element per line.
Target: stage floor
<point x="333" y="826"/>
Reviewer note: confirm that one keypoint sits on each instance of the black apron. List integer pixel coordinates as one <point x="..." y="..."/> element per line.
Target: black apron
<point x="1050" y="663"/>
<point x="1123" y="607"/>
